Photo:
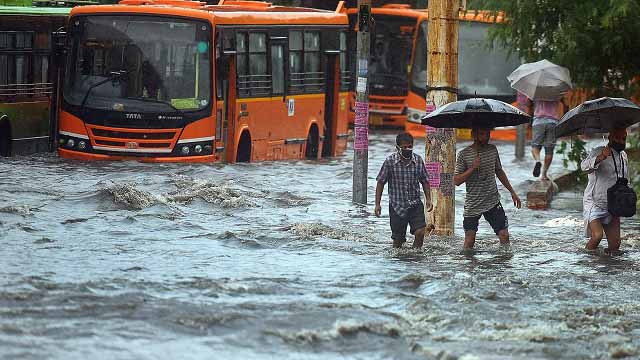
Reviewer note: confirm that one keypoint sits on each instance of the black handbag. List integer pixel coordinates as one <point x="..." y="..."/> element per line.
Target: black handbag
<point x="621" y="199"/>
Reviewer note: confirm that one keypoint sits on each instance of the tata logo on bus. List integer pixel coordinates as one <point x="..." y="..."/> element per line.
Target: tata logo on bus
<point x="133" y="116"/>
<point x="131" y="145"/>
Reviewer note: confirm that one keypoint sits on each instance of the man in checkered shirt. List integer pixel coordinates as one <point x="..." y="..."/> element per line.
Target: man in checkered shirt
<point x="404" y="171"/>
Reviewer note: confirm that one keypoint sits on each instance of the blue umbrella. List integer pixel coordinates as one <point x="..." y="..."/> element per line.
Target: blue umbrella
<point x="475" y="113"/>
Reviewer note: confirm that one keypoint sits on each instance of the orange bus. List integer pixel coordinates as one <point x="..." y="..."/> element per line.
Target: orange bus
<point x="482" y="71"/>
<point x="27" y="76"/>
<point x="398" y="64"/>
<point x="183" y="81"/>
<point x="391" y="48"/>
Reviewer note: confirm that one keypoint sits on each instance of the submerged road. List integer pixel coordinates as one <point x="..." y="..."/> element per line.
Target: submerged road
<point x="126" y="260"/>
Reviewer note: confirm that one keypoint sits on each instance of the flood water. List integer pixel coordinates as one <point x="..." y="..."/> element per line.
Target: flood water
<point x="128" y="260"/>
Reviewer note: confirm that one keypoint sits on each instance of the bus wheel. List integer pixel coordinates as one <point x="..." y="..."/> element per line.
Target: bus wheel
<point x="5" y="136"/>
<point x="312" y="143"/>
<point x="244" y="148"/>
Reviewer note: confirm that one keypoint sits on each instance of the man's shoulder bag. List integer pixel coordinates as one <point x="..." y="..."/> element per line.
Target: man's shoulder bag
<point x="621" y="199"/>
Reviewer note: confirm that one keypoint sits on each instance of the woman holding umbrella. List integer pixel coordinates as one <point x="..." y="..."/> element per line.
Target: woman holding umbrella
<point x="544" y="83"/>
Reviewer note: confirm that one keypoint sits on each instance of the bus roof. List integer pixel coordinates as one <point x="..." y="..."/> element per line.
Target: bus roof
<point x="226" y="12"/>
<point x="405" y="11"/>
<point x="34" y="11"/>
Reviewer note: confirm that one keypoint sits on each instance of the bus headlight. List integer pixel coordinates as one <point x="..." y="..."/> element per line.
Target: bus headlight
<point x="82" y="145"/>
<point x="71" y="143"/>
<point x="196" y="148"/>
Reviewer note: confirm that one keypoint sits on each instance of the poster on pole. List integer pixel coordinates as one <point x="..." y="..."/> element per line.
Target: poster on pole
<point x="362" y="113"/>
<point x="361" y="138"/>
<point x="433" y="173"/>
<point x="361" y="85"/>
<point x="431" y="106"/>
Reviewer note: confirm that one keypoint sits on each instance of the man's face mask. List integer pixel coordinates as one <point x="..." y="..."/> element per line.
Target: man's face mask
<point x="617" y="146"/>
<point x="405" y="151"/>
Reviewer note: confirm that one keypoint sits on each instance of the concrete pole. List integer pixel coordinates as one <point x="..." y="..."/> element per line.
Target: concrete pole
<point x="361" y="123"/>
<point x="521" y="133"/>
<point x="442" y="77"/>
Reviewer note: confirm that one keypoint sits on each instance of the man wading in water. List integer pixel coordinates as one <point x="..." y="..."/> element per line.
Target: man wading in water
<point x="478" y="165"/>
<point x="404" y="171"/>
<point x="604" y="165"/>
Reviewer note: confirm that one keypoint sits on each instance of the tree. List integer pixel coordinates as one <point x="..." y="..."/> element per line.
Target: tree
<point x="597" y="40"/>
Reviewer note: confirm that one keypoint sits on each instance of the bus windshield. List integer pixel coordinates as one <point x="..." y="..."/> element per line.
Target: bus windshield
<point x="482" y="71"/>
<point x="160" y="64"/>
<point x="391" y="55"/>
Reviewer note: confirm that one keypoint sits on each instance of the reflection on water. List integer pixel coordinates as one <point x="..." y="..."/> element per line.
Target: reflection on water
<point x="271" y="260"/>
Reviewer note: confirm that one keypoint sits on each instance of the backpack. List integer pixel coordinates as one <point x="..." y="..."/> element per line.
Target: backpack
<point x="621" y="199"/>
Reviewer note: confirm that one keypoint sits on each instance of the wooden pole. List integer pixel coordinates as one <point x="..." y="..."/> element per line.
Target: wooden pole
<point x="442" y="79"/>
<point x="361" y="123"/>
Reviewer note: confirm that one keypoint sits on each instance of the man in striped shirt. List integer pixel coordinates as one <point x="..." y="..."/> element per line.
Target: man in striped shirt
<point x="404" y="171"/>
<point x="478" y="165"/>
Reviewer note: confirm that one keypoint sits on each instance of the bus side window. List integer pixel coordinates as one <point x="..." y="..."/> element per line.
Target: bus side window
<point x="344" y="63"/>
<point x="314" y="77"/>
<point x="5" y="44"/>
<point x="16" y="65"/>
<point x="277" y="69"/>
<point x="4" y="69"/>
<point x="296" y="71"/>
<point x="242" y="69"/>
<point x="260" y="82"/>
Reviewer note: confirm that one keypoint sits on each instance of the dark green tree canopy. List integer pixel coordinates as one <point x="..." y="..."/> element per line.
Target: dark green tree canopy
<point x="597" y="40"/>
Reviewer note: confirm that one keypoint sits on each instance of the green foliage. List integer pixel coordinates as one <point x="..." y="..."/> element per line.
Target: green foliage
<point x="634" y="161"/>
<point x="634" y="141"/>
<point x="574" y="152"/>
<point x="597" y="40"/>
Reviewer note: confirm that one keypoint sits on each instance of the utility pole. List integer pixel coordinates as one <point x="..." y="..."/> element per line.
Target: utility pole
<point x="523" y="103"/>
<point x="361" y="123"/>
<point x="521" y="133"/>
<point x="442" y="80"/>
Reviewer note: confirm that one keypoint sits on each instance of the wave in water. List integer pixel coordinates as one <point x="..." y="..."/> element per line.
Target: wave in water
<point x="131" y="197"/>
<point x="215" y="193"/>
<point x="340" y="329"/>
<point x="312" y="230"/>
<point x="23" y="210"/>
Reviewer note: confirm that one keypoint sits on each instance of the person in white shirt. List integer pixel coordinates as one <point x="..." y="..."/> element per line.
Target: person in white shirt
<point x="601" y="170"/>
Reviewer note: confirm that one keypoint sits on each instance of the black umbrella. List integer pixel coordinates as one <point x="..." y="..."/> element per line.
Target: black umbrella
<point x="598" y="116"/>
<point x="475" y="113"/>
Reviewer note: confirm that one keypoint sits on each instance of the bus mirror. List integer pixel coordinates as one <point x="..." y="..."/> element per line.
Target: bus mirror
<point x="59" y="41"/>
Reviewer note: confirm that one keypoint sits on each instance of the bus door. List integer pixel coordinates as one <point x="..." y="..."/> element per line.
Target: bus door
<point x="226" y="93"/>
<point x="332" y="98"/>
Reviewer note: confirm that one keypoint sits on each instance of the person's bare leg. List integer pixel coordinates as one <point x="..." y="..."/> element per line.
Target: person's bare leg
<point x="548" y="157"/>
<point x="469" y="239"/>
<point x="503" y="235"/>
<point x="535" y="152"/>
<point x="613" y="234"/>
<point x="596" y="234"/>
<point x="417" y="243"/>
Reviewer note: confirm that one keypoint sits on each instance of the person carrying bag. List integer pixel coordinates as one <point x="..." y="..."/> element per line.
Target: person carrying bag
<point x="607" y="196"/>
<point x="621" y="199"/>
